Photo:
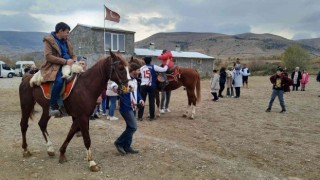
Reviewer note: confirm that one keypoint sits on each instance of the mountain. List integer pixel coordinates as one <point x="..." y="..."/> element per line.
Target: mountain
<point x="17" y="45"/>
<point x="246" y="45"/>
<point x="14" y="42"/>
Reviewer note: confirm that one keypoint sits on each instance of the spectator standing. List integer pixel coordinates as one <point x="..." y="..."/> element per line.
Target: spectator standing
<point x="237" y="80"/>
<point x="164" y="102"/>
<point x="296" y="77"/>
<point x="229" y="80"/>
<point x="222" y="80"/>
<point x="214" y="85"/>
<point x="245" y="75"/>
<point x="148" y="85"/>
<point x="112" y="96"/>
<point x="304" y="80"/>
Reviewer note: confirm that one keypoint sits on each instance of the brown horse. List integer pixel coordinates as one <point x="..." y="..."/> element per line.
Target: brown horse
<point x="80" y="103"/>
<point x="187" y="77"/>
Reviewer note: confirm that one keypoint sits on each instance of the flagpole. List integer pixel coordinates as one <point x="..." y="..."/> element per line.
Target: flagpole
<point x="104" y="30"/>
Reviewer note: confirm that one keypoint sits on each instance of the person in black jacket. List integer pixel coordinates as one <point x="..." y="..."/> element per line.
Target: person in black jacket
<point x="296" y="76"/>
<point x="222" y="81"/>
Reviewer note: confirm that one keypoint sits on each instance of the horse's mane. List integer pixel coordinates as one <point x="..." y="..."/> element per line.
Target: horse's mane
<point x="98" y="66"/>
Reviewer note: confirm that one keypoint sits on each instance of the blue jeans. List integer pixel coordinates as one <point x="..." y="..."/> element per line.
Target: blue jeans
<point x="112" y="107"/>
<point x="57" y="86"/>
<point x="274" y="94"/>
<point x="125" y="140"/>
<point x="165" y="97"/>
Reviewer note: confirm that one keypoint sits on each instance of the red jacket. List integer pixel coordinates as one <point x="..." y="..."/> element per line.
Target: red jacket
<point x="164" y="57"/>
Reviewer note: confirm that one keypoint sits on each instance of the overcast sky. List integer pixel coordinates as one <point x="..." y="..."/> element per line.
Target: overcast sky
<point x="292" y="19"/>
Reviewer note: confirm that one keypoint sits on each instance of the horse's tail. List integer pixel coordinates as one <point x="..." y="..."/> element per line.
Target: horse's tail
<point x="198" y="88"/>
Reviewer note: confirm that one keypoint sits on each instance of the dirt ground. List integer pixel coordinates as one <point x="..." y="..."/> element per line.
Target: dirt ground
<point x="230" y="139"/>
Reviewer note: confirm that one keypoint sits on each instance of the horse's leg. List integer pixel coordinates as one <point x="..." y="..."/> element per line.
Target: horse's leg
<point x="192" y="102"/>
<point x="84" y="126"/>
<point x="43" y="123"/>
<point x="63" y="148"/>
<point x="27" y="110"/>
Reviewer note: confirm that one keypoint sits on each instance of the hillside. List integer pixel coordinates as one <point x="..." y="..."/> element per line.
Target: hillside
<point x="248" y="45"/>
<point x="13" y="42"/>
<point x="225" y="46"/>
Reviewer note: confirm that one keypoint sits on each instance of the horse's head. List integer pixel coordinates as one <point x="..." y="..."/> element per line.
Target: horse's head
<point x="137" y="61"/>
<point x="120" y="72"/>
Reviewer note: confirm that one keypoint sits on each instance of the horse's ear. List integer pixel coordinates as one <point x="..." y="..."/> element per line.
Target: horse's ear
<point x="112" y="54"/>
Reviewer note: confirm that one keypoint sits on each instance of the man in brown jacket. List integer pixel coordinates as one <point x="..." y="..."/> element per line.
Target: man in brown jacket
<point x="57" y="52"/>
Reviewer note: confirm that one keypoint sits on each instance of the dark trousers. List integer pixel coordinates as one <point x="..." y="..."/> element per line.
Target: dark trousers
<point x="125" y="139"/>
<point x="214" y="94"/>
<point x="150" y="91"/>
<point x="237" y="91"/>
<point x="295" y="87"/>
<point x="57" y="86"/>
<point x="228" y="91"/>
<point x="165" y="99"/>
<point x="221" y="88"/>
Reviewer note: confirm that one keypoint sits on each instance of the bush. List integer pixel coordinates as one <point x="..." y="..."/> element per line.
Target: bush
<point x="260" y="68"/>
<point x="296" y="56"/>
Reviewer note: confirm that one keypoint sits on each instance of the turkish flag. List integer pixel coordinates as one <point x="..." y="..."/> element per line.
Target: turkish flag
<point x="111" y="15"/>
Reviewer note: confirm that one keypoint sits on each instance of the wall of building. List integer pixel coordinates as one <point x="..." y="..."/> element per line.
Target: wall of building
<point x="89" y="42"/>
<point x="203" y="66"/>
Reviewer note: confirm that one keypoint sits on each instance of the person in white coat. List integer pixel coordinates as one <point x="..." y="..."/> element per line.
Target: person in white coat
<point x="245" y="76"/>
<point x="237" y="80"/>
<point x="112" y="95"/>
<point x="214" y="85"/>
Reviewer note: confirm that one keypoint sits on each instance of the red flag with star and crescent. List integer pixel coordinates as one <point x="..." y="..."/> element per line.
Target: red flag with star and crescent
<point x="111" y="15"/>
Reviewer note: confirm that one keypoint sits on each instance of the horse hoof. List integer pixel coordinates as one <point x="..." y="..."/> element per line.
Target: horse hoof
<point x="62" y="159"/>
<point x="184" y="115"/>
<point x="26" y="154"/>
<point x="95" y="168"/>
<point x="51" y="153"/>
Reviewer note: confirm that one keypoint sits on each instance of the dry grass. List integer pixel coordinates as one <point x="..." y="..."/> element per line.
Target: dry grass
<point x="230" y="139"/>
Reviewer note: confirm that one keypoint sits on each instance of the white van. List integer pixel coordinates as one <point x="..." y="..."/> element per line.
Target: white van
<point x="21" y="65"/>
<point x="5" y="70"/>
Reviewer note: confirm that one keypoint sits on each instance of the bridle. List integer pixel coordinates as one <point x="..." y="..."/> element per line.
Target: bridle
<point x="121" y="87"/>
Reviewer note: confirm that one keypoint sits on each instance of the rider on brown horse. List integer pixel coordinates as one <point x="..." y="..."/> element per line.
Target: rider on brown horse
<point x="58" y="51"/>
<point x="166" y="55"/>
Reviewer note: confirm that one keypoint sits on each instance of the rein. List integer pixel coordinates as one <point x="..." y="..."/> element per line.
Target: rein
<point x="113" y="69"/>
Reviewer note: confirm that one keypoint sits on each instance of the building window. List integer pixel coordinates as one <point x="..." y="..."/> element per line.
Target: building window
<point x="115" y="42"/>
<point x="199" y="61"/>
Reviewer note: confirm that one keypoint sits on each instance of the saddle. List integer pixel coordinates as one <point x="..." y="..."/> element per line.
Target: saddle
<point x="64" y="94"/>
<point x="172" y="74"/>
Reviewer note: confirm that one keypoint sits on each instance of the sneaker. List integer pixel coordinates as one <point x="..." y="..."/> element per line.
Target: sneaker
<point x="268" y="110"/>
<point x="103" y="114"/>
<point x="120" y="149"/>
<point x="113" y="118"/>
<point x="140" y="119"/>
<point x="96" y="116"/>
<point x="282" y="111"/>
<point x="131" y="151"/>
<point x="216" y="100"/>
<point x="108" y="117"/>
<point x="162" y="111"/>
<point x="152" y="119"/>
<point x="54" y="112"/>
<point x="167" y="110"/>
<point x="220" y="96"/>
<point x="92" y="118"/>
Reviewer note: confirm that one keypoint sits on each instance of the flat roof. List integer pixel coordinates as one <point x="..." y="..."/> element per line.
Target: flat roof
<point x="157" y="52"/>
<point x="106" y="28"/>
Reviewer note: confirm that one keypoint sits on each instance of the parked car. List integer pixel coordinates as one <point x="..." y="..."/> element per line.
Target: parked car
<point x="5" y="70"/>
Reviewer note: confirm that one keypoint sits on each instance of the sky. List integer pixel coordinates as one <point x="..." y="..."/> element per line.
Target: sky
<point x="292" y="19"/>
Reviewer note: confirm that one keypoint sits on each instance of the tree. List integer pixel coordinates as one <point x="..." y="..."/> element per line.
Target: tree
<point x="295" y="56"/>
